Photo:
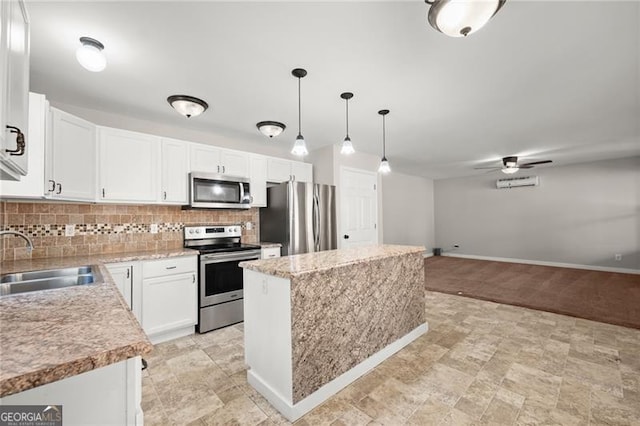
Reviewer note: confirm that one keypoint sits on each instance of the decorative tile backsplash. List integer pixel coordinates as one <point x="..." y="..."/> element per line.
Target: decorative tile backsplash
<point x="106" y="228"/>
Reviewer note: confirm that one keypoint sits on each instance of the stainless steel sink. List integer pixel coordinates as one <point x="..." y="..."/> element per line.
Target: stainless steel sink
<point x="47" y="280"/>
<point x="51" y="273"/>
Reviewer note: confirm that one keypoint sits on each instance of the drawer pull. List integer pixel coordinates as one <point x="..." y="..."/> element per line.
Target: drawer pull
<point x="171" y="267"/>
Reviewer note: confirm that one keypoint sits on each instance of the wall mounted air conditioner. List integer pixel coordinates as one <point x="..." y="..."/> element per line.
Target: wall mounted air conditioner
<point x="517" y="181"/>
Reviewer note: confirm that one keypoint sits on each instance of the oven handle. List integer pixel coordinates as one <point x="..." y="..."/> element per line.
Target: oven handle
<point x="228" y="257"/>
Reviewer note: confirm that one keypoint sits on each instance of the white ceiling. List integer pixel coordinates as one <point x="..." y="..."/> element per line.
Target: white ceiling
<point x="544" y="80"/>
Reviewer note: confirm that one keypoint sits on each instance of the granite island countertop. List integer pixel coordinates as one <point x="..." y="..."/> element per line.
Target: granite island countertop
<point x="50" y="335"/>
<point x="291" y="266"/>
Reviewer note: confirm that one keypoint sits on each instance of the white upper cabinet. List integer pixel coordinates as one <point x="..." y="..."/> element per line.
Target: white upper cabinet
<point x="71" y="158"/>
<point x="32" y="185"/>
<point x="209" y="159"/>
<point x="281" y="170"/>
<point x="129" y="166"/>
<point x="175" y="172"/>
<point x="205" y="158"/>
<point x="302" y="172"/>
<point x="14" y="89"/>
<point x="258" y="176"/>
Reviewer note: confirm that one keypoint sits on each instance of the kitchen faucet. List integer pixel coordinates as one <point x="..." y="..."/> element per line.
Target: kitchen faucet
<point x="21" y="235"/>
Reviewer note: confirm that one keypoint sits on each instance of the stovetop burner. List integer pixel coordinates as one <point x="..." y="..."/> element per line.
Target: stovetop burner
<point x="228" y="247"/>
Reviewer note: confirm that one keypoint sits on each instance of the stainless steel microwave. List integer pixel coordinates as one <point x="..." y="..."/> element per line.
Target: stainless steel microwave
<point x="214" y="191"/>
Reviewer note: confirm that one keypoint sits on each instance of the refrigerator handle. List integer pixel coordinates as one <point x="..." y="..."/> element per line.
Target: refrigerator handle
<point x="316" y="220"/>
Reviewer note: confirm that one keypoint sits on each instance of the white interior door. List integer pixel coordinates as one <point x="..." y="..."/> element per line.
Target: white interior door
<point x="358" y="208"/>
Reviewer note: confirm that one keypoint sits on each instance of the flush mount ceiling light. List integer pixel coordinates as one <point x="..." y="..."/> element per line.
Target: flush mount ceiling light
<point x="271" y="128"/>
<point x="384" y="163"/>
<point x="300" y="146"/>
<point x="459" y="18"/>
<point x="187" y="105"/>
<point x="347" y="146"/>
<point x="90" y="54"/>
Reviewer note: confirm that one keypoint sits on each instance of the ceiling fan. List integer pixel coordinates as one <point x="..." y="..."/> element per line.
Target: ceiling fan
<point x="510" y="165"/>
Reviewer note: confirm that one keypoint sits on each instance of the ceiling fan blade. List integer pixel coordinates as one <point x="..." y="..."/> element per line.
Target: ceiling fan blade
<point x="525" y="167"/>
<point x="482" y="168"/>
<point x="533" y="163"/>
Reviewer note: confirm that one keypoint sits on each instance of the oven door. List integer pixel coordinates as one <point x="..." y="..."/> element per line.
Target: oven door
<point x="221" y="277"/>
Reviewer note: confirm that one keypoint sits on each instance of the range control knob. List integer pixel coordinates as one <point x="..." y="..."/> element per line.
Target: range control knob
<point x="191" y="231"/>
<point x="197" y="230"/>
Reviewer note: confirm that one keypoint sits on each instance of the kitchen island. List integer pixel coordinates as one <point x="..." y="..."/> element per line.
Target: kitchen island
<point x="316" y="322"/>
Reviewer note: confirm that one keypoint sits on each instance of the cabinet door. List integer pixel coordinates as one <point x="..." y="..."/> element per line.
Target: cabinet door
<point x="302" y="172"/>
<point x="258" y="175"/>
<point x="205" y="158"/>
<point x="71" y="157"/>
<point x="175" y="171"/>
<point x="278" y="170"/>
<point x="14" y="111"/>
<point x="234" y="163"/>
<point x="169" y="302"/>
<point x="123" y="277"/>
<point x="270" y="252"/>
<point x="129" y="167"/>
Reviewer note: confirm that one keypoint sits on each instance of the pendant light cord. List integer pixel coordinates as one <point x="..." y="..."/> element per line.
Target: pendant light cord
<point x="347" y="100"/>
<point x="384" y="132"/>
<point x="299" y="109"/>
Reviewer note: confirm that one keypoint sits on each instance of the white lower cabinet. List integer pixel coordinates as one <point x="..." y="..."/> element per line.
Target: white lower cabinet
<point x="110" y="395"/>
<point x="269" y="252"/>
<point x="169" y="297"/>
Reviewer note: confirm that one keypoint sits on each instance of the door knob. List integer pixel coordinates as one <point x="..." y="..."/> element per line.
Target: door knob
<point x="346" y="237"/>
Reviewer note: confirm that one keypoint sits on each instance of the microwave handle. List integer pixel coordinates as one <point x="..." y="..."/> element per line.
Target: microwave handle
<point x="241" y="191"/>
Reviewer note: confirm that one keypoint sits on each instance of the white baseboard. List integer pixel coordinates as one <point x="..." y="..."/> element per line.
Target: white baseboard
<point x="427" y="254"/>
<point x="544" y="263"/>
<point x="294" y="411"/>
<point x="172" y="334"/>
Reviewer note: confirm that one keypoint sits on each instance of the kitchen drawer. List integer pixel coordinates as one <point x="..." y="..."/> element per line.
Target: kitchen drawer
<point x="270" y="252"/>
<point x="169" y="266"/>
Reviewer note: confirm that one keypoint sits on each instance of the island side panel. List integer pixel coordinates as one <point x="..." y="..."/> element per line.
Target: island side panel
<point x="342" y="316"/>
<point x="267" y="333"/>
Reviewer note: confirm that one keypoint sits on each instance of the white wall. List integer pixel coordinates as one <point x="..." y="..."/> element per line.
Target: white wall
<point x="408" y="210"/>
<point x="580" y="214"/>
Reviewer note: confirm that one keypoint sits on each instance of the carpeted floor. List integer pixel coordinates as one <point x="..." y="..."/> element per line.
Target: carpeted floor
<point x="600" y="296"/>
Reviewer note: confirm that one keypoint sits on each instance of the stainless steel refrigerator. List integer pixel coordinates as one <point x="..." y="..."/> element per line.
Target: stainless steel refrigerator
<point x="301" y="216"/>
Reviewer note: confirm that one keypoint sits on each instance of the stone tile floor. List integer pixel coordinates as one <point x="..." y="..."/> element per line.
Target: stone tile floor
<point x="481" y="363"/>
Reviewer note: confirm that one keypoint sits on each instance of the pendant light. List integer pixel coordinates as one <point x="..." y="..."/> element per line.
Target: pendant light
<point x="90" y="54"/>
<point x="271" y="128"/>
<point x="347" y="146"/>
<point x="188" y="106"/>
<point x="459" y="18"/>
<point x="384" y="163"/>
<point x="300" y="146"/>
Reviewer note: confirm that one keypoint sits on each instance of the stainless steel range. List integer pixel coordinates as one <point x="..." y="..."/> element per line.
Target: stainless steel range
<point x="220" y="287"/>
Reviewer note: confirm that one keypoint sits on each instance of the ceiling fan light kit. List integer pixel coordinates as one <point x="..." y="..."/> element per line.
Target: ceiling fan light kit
<point x="510" y="165"/>
<point x="188" y="106"/>
<point x="384" y="166"/>
<point x="459" y="18"/>
<point x="271" y="128"/>
<point x="300" y="146"/>
<point x="90" y="54"/>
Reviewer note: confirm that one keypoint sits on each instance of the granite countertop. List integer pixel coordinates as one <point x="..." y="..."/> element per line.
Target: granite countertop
<point x="291" y="266"/>
<point x="264" y="244"/>
<point x="50" y="335"/>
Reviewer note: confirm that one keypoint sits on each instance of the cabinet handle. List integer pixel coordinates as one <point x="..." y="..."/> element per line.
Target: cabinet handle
<point x="103" y="193"/>
<point x="194" y="278"/>
<point x="53" y="185"/>
<point x="224" y="169"/>
<point x="20" y="142"/>
<point x="59" y="186"/>
<point x="128" y="272"/>
<point x="165" y="194"/>
<point x="218" y="169"/>
<point x="171" y="267"/>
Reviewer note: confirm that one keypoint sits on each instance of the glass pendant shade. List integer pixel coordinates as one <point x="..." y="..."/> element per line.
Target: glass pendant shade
<point x="347" y="147"/>
<point x="300" y="147"/>
<point x="384" y="166"/>
<point x="187" y="105"/>
<point x="459" y="18"/>
<point x="90" y="55"/>
<point x="510" y="170"/>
